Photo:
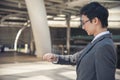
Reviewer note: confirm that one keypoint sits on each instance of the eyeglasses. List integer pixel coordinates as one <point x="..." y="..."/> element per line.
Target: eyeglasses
<point x="83" y="23"/>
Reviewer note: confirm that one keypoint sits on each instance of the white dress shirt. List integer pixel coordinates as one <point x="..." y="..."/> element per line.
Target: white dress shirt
<point x="100" y="34"/>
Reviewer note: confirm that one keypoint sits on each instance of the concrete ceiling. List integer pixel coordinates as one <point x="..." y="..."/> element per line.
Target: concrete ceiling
<point x="13" y="13"/>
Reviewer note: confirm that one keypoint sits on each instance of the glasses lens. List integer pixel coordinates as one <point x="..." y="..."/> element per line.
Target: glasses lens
<point x="83" y="23"/>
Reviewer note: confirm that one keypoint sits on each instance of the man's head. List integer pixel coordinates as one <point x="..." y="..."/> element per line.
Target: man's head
<point x="94" y="16"/>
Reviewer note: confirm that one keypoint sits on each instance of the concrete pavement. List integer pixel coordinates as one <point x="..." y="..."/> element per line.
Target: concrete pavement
<point x="39" y="71"/>
<point x="28" y="67"/>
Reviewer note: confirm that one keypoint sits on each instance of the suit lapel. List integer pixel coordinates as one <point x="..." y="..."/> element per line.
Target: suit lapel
<point x="90" y="46"/>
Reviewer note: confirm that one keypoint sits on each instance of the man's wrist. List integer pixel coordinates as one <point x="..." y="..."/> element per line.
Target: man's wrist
<point x="56" y="58"/>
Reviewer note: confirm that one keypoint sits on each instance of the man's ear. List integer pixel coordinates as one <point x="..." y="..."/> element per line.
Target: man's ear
<point x="95" y="20"/>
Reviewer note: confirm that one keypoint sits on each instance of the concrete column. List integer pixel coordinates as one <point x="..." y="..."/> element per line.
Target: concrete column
<point x="38" y="17"/>
<point x="68" y="33"/>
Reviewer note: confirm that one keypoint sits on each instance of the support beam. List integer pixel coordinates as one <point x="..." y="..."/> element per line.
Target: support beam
<point x="68" y="33"/>
<point x="38" y="17"/>
<point x="77" y="3"/>
<point x="6" y="17"/>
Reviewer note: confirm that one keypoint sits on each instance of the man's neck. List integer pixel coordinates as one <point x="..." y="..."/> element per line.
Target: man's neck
<point x="99" y="31"/>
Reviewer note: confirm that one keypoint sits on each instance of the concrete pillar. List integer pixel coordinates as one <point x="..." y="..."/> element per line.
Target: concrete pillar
<point x="38" y="17"/>
<point x="68" y="33"/>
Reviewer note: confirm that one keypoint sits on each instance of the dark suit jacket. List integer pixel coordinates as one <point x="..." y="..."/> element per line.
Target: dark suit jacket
<point x="95" y="62"/>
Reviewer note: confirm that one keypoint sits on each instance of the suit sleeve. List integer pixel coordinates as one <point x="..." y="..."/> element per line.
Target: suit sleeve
<point x="105" y="62"/>
<point x="68" y="59"/>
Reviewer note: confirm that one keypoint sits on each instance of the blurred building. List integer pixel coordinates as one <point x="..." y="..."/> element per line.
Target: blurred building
<point x="15" y="14"/>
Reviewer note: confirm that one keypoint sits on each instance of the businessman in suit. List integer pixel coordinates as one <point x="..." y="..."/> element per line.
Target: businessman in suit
<point x="97" y="61"/>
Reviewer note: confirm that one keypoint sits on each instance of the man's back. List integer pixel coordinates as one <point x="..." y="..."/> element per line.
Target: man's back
<point x="98" y="63"/>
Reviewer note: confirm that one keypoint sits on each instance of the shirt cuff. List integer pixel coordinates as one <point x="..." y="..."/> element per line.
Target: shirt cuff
<point x="57" y="58"/>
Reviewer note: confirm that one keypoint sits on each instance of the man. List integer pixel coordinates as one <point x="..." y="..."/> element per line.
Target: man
<point x="97" y="61"/>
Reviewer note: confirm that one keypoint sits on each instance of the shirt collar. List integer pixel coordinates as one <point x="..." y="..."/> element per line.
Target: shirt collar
<point x="100" y="34"/>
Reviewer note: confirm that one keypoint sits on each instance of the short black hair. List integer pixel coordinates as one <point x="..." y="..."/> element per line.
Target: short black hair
<point x="95" y="9"/>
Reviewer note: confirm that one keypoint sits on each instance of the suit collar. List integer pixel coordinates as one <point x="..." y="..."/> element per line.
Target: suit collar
<point x="102" y="37"/>
<point x="100" y="34"/>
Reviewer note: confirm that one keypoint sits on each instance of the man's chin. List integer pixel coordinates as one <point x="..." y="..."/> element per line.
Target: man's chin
<point x="89" y="34"/>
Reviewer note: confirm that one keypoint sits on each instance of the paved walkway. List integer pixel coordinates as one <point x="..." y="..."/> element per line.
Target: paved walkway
<point x="36" y="71"/>
<point x="31" y="68"/>
<point x="39" y="71"/>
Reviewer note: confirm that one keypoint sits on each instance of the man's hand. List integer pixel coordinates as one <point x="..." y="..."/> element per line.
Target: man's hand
<point x="50" y="57"/>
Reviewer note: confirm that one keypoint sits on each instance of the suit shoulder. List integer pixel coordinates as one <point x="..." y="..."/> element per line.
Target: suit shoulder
<point x="105" y="43"/>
